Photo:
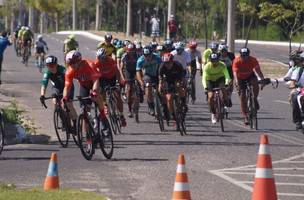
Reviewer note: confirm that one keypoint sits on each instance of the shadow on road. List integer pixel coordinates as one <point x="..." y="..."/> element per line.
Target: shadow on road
<point x="24" y="158"/>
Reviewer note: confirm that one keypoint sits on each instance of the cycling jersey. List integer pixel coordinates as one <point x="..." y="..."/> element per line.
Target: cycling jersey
<point x="194" y="54"/>
<point x="69" y="45"/>
<point x="110" y="48"/>
<point x="183" y="58"/>
<point x="171" y="75"/>
<point x="228" y="63"/>
<point x="244" y="68"/>
<point x="27" y="35"/>
<point x="130" y="59"/>
<point x="85" y="75"/>
<point x="120" y="52"/>
<point x="150" y="66"/>
<point x="107" y="69"/>
<point x="20" y="33"/>
<point x="40" y="46"/>
<point x="215" y="71"/>
<point x="57" y="79"/>
<point x="297" y="76"/>
<point x="207" y="54"/>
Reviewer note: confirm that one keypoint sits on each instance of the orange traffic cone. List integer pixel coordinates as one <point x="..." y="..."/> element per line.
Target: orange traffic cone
<point x="181" y="186"/>
<point x="52" y="180"/>
<point x="264" y="186"/>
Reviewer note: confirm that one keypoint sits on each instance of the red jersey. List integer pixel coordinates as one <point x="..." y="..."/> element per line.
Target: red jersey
<point x="85" y="74"/>
<point x="244" y="68"/>
<point x="107" y="69"/>
<point x="172" y="25"/>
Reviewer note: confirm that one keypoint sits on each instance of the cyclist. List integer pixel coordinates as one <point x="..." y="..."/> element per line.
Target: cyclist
<point x="88" y="79"/>
<point x="70" y="44"/>
<point x="148" y="62"/>
<point x="26" y="38"/>
<point x="107" y="45"/>
<point x="109" y="74"/>
<point x="56" y="73"/>
<point x="171" y="74"/>
<point x="195" y="56"/>
<point x="129" y="60"/>
<point x="160" y="50"/>
<point x="138" y="50"/>
<point x="16" y="43"/>
<point x="172" y="26"/>
<point x="4" y="42"/>
<point x="215" y="75"/>
<point x="213" y="49"/>
<point x="224" y="57"/>
<point x="245" y="68"/>
<point x="168" y="46"/>
<point x="40" y="47"/>
<point x="295" y="75"/>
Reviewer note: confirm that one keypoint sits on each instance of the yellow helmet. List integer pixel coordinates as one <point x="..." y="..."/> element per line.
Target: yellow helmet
<point x="71" y="37"/>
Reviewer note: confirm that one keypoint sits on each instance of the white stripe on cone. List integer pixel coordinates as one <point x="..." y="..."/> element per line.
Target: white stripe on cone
<point x="263" y="173"/>
<point x="180" y="186"/>
<point x="181" y="168"/>
<point x="264" y="149"/>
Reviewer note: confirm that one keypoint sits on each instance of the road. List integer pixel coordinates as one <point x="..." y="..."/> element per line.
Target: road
<point x="219" y="165"/>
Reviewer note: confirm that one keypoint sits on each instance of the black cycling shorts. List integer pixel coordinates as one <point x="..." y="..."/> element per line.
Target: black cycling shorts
<point x="220" y="82"/>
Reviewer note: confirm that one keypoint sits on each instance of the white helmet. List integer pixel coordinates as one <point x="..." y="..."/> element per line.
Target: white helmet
<point x="39" y="37"/>
<point x="101" y="53"/>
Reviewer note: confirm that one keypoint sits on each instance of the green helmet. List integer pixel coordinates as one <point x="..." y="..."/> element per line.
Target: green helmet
<point x="71" y="37"/>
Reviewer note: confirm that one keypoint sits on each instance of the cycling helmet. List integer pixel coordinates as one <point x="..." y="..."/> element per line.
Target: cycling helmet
<point x="213" y="46"/>
<point x="153" y="46"/>
<point x="51" y="60"/>
<point x="73" y="57"/>
<point x="214" y="57"/>
<point x="244" y="52"/>
<point x="167" y="57"/>
<point x="295" y="55"/>
<point x="108" y="37"/>
<point x="71" y="37"/>
<point x="27" y="28"/>
<point x="192" y="44"/>
<point x="130" y="47"/>
<point x="302" y="56"/>
<point x="101" y="53"/>
<point x="138" y="46"/>
<point x="168" y="42"/>
<point x="179" y="46"/>
<point x="114" y="41"/>
<point x="223" y="47"/>
<point x="23" y="28"/>
<point x="146" y="51"/>
<point x="126" y="42"/>
<point x="119" y="44"/>
<point x="39" y="37"/>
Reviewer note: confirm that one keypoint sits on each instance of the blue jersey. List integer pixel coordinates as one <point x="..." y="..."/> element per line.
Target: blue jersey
<point x="150" y="67"/>
<point x="3" y="44"/>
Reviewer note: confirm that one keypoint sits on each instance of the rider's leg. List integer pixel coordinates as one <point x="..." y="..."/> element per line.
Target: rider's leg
<point x="296" y="112"/>
<point x="255" y="86"/>
<point x="210" y="101"/>
<point x="130" y="96"/>
<point x="169" y="99"/>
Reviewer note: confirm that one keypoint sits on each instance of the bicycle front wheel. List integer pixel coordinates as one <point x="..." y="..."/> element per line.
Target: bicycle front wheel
<point x="85" y="138"/>
<point x="1" y="134"/>
<point x="106" y="143"/>
<point x="61" y="128"/>
<point x="159" y="113"/>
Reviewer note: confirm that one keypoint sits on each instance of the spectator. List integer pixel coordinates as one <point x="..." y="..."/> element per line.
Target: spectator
<point x="4" y="42"/>
<point x="172" y="25"/>
<point x="155" y="28"/>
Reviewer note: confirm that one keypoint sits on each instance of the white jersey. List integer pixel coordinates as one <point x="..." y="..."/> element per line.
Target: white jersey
<point x="193" y="55"/>
<point x="183" y="58"/>
<point x="295" y="76"/>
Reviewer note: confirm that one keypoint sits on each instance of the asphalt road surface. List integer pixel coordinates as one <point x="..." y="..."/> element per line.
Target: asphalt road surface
<point x="220" y="165"/>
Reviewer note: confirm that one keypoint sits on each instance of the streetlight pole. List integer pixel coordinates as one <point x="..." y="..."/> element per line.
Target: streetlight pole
<point x="171" y="11"/>
<point x="231" y="25"/>
<point x="74" y="15"/>
<point x="129" y="18"/>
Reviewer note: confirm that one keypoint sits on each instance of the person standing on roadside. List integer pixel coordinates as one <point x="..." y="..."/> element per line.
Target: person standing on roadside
<point x="4" y="42"/>
<point x="172" y="26"/>
<point x="155" y="28"/>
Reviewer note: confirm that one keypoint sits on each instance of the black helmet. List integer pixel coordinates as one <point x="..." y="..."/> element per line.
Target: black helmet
<point x="214" y="57"/>
<point x="244" y="52"/>
<point x="51" y="60"/>
<point x="108" y="37"/>
<point x="295" y="55"/>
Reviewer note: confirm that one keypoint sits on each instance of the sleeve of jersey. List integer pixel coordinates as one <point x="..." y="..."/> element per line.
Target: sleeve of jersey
<point x="68" y="79"/>
<point x="188" y="58"/>
<point x="226" y="73"/>
<point x="93" y="72"/>
<point x="139" y="64"/>
<point x="45" y="80"/>
<point x="295" y="75"/>
<point x="204" y="78"/>
<point x="235" y="66"/>
<point x="256" y="64"/>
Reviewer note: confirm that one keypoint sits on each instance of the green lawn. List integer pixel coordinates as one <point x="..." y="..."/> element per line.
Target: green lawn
<point x="12" y="193"/>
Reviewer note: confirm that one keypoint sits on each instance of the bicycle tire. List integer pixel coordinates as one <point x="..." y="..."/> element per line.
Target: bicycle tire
<point x="2" y="135"/>
<point x="106" y="143"/>
<point x="58" y="118"/>
<point x="159" y="114"/>
<point x="193" y="91"/>
<point x="221" y="113"/>
<point x="254" y="113"/>
<point x="117" y="115"/>
<point x="85" y="142"/>
<point x="113" y="118"/>
<point x="177" y="115"/>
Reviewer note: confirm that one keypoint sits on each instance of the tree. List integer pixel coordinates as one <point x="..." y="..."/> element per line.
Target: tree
<point x="287" y="14"/>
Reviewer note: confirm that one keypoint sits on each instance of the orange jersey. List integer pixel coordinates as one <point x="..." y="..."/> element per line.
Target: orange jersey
<point x="107" y="69"/>
<point x="244" y="68"/>
<point x="85" y="74"/>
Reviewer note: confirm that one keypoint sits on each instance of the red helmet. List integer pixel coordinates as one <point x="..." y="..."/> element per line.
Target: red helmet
<point x="192" y="44"/>
<point x="167" y="57"/>
<point x="130" y="47"/>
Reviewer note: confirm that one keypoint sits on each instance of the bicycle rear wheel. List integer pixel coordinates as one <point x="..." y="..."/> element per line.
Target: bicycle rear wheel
<point x="159" y="114"/>
<point x="180" y="125"/>
<point x="61" y="128"/>
<point x="252" y="112"/>
<point x="220" y="111"/>
<point x="85" y="139"/>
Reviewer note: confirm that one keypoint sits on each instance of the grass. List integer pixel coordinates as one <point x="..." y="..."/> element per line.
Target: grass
<point x="10" y="192"/>
<point x="272" y="69"/>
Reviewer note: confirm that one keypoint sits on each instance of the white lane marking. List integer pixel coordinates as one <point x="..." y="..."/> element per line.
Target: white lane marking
<point x="276" y="174"/>
<point x="279" y="101"/>
<point x="276" y="169"/>
<point x="277" y="183"/>
<point x="291" y="194"/>
<point x="281" y="63"/>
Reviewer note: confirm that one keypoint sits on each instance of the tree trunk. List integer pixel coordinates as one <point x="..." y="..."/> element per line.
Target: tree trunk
<point x="56" y="21"/>
<point x="129" y="18"/>
<point x="248" y="30"/>
<point x="206" y="28"/>
<point x="74" y="15"/>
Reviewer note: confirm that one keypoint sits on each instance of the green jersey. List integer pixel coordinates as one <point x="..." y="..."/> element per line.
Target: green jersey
<point x="213" y="72"/>
<point x="120" y="52"/>
<point x="57" y="79"/>
<point x="207" y="54"/>
<point x="70" y="45"/>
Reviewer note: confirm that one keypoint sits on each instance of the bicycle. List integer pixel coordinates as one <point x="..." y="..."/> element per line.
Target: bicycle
<point x="62" y="123"/>
<point x="179" y="111"/>
<point x="252" y="110"/>
<point x="88" y="139"/>
<point x="191" y="89"/>
<point x="26" y="53"/>
<point x="40" y="62"/>
<point x="137" y="98"/>
<point x="114" y="116"/>
<point x="2" y="133"/>
<point x="158" y="107"/>
<point x="220" y="112"/>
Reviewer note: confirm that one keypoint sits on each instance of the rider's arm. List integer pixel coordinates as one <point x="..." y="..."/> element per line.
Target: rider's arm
<point x="235" y="70"/>
<point x="258" y="71"/>
<point x="44" y="83"/>
<point x="204" y="78"/>
<point x="68" y="82"/>
<point x="139" y="73"/>
<point x="226" y="73"/>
